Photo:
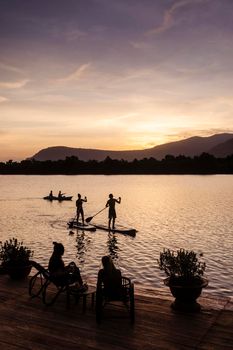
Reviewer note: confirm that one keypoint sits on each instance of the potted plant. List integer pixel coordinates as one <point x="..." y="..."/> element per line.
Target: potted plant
<point x="15" y="258"/>
<point x="185" y="277"/>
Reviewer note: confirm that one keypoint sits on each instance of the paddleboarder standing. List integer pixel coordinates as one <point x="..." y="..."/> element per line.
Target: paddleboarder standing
<point x="79" y="206"/>
<point x="112" y="211"/>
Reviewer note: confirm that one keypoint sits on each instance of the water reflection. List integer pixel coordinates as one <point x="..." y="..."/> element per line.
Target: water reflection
<point x="112" y="246"/>
<point x="82" y="244"/>
<point x="193" y="212"/>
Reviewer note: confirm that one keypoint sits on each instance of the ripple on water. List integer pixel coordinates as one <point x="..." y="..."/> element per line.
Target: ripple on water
<point x="191" y="212"/>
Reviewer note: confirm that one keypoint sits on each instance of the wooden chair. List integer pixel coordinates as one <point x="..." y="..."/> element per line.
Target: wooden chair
<point x="125" y="295"/>
<point x="44" y="285"/>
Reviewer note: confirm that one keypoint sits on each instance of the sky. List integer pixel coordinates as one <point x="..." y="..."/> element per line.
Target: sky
<point x="116" y="75"/>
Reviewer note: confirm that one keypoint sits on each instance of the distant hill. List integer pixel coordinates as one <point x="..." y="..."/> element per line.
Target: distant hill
<point x="219" y="145"/>
<point x="223" y="149"/>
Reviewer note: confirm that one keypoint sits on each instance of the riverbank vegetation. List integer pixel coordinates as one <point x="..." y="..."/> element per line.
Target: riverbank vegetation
<point x="203" y="164"/>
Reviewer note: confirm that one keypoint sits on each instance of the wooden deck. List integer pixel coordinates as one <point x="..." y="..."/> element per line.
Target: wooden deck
<point x="25" y="323"/>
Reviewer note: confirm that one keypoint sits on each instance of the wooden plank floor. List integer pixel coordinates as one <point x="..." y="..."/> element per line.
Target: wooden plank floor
<point x="25" y="323"/>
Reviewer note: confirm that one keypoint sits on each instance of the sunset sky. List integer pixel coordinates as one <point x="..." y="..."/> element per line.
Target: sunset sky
<point x="113" y="74"/>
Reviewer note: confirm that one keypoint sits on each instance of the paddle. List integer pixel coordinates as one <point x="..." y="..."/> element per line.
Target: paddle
<point x="71" y="223"/>
<point x="91" y="217"/>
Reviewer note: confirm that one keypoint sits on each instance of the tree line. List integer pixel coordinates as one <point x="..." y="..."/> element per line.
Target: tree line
<point x="203" y="164"/>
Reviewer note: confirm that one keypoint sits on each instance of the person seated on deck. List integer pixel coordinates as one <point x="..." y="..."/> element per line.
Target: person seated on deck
<point x="110" y="277"/>
<point x="63" y="274"/>
<point x="51" y="194"/>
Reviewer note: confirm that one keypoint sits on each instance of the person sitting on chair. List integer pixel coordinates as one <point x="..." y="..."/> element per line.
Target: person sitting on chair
<point x="109" y="277"/>
<point x="61" y="273"/>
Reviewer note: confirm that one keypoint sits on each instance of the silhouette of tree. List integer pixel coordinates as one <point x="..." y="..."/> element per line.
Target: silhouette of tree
<point x="203" y="164"/>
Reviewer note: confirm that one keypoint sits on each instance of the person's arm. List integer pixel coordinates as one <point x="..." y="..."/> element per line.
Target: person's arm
<point x="107" y="204"/>
<point x="118" y="200"/>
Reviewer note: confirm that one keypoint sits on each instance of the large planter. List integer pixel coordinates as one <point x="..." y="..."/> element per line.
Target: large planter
<point x="19" y="272"/>
<point x="186" y="295"/>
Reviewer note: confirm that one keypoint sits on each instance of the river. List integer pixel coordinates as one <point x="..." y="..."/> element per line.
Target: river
<point x="168" y="211"/>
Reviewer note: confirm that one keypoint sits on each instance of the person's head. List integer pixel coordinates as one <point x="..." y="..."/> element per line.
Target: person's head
<point x="79" y="195"/>
<point x="111" y="195"/>
<point x="58" y="248"/>
<point x="107" y="263"/>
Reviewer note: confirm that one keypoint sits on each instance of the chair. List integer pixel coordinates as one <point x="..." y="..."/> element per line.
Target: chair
<point x="125" y="295"/>
<point x="44" y="285"/>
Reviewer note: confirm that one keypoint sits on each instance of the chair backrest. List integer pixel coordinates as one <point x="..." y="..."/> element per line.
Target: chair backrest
<point x="123" y="292"/>
<point x="57" y="280"/>
<point x="41" y="269"/>
<point x="114" y="286"/>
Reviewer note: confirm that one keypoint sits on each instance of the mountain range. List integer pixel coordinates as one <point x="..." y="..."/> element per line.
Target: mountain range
<point x="219" y="145"/>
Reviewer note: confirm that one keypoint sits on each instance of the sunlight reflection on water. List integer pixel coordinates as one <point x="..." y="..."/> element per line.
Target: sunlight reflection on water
<point x="192" y="212"/>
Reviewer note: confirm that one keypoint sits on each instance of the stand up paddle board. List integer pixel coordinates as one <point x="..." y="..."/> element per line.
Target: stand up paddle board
<point x="117" y="229"/>
<point x="80" y="226"/>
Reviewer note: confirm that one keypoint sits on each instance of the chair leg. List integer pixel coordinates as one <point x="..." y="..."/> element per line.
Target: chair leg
<point x="67" y="298"/>
<point x="92" y="300"/>
<point x="47" y="299"/>
<point x="98" y="311"/>
<point x="132" y="311"/>
<point x="36" y="285"/>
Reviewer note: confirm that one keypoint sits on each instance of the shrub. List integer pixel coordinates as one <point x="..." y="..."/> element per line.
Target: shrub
<point x="14" y="253"/>
<point x="182" y="265"/>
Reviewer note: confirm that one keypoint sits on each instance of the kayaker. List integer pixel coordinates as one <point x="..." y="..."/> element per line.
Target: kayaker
<point x="79" y="206"/>
<point x="51" y="194"/>
<point x="112" y="212"/>
<point x="60" y="195"/>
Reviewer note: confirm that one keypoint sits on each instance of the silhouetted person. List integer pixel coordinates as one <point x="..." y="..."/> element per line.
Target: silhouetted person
<point x="51" y="194"/>
<point x="112" y="211"/>
<point x="60" y="195"/>
<point x="109" y="277"/>
<point x="79" y="206"/>
<point x="61" y="273"/>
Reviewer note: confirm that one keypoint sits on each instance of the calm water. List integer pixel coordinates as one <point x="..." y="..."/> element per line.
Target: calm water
<point x="191" y="212"/>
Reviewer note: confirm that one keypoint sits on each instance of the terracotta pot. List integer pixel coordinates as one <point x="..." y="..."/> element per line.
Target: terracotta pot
<point x="19" y="272"/>
<point x="2" y="270"/>
<point x="186" y="295"/>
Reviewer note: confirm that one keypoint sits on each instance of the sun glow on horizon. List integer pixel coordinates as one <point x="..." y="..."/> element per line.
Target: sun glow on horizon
<point x="135" y="77"/>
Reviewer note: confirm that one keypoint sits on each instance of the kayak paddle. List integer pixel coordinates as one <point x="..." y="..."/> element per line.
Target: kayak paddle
<point x="91" y="217"/>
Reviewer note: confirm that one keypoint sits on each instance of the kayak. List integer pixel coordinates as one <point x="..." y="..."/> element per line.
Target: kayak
<point x="118" y="229"/>
<point x="54" y="198"/>
<point x="80" y="226"/>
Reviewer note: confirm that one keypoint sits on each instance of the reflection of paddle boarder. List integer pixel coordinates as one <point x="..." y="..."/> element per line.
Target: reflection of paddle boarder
<point x="112" y="212"/>
<point x="79" y="206"/>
